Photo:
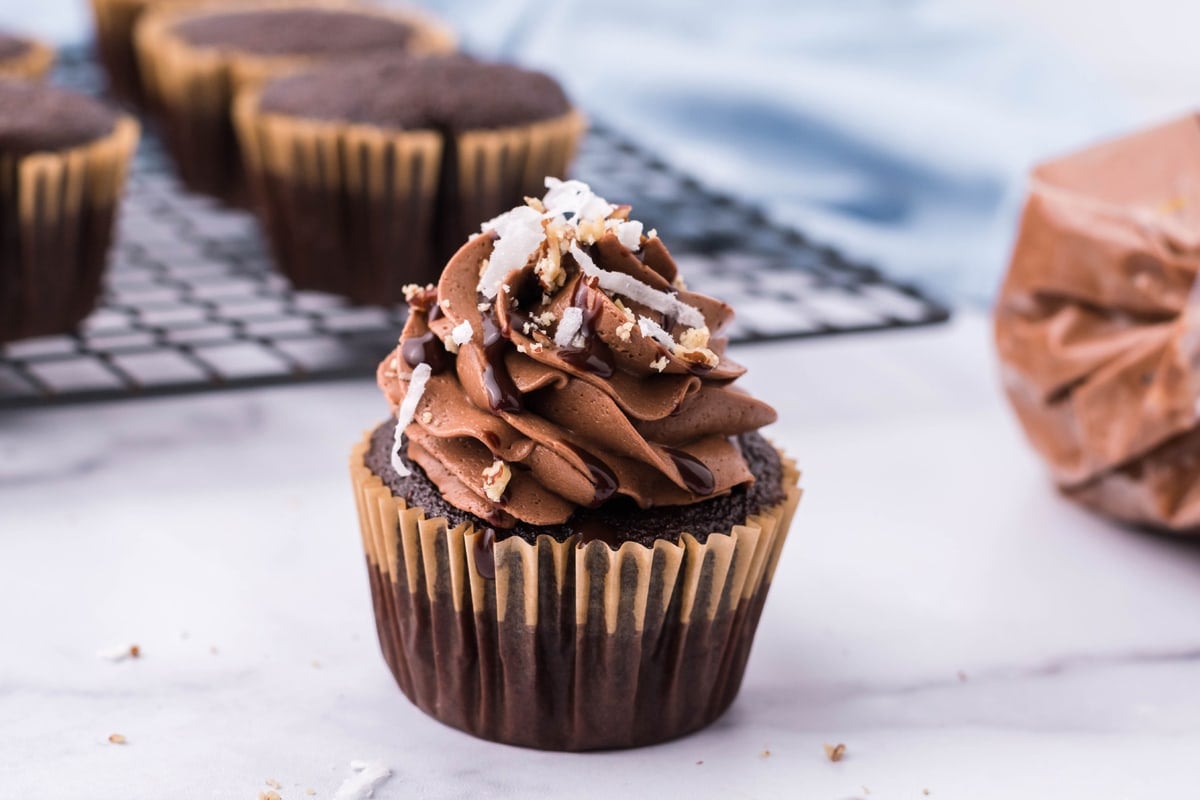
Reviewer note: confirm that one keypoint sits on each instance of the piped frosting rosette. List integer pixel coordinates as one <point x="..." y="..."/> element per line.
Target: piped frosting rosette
<point x="552" y="368"/>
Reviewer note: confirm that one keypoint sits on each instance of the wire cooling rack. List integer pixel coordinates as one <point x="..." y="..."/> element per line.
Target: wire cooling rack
<point x="192" y="301"/>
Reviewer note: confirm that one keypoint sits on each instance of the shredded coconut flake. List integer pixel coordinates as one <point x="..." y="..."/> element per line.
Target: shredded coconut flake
<point x="620" y="283"/>
<point x="462" y="333"/>
<point x="404" y="414"/>
<point x="574" y="198"/>
<point x="629" y="234"/>
<point x="650" y="328"/>
<point x="520" y="235"/>
<point x="367" y="777"/>
<point x="568" y="326"/>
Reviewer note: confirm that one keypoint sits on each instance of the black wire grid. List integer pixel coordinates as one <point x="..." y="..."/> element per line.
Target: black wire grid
<point x="193" y="303"/>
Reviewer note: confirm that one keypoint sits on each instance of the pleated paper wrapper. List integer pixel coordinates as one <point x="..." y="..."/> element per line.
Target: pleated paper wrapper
<point x="192" y="89"/>
<point x="33" y="64"/>
<point x="1098" y="332"/>
<point x="568" y="647"/>
<point x="57" y="210"/>
<point x="361" y="211"/>
<point x="115" y="21"/>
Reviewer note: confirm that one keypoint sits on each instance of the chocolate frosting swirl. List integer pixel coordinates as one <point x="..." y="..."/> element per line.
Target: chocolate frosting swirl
<point x="630" y="401"/>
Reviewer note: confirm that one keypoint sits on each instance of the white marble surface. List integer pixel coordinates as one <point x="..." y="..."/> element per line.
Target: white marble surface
<point x="938" y="609"/>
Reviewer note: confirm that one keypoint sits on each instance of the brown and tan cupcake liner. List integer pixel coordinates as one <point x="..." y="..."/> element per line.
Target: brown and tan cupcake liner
<point x="115" y="21"/>
<point x="361" y="211"/>
<point x="33" y="64"/>
<point x="563" y="646"/>
<point x="193" y="88"/>
<point x="57" y="210"/>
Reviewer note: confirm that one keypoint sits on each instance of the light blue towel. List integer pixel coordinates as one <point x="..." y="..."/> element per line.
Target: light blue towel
<point x="899" y="131"/>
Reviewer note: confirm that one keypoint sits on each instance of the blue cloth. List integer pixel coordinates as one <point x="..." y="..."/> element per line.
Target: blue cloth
<point x="900" y="131"/>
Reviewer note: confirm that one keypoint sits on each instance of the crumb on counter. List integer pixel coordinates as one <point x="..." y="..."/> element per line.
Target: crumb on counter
<point x="835" y="752"/>
<point x="116" y="738"/>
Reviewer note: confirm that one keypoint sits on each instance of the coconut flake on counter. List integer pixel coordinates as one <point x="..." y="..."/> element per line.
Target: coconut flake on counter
<point x="405" y="413"/>
<point x="568" y="326"/>
<point x="367" y="777"/>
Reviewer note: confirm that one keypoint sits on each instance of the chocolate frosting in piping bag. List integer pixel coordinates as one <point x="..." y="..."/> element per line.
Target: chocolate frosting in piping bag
<point x="1098" y="324"/>
<point x="576" y="368"/>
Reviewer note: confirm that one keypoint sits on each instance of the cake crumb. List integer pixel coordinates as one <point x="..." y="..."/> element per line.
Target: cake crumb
<point x="315" y="665"/>
<point x="925" y="792"/>
<point x="120" y="652"/>
<point x="116" y="738"/>
<point x="660" y="364"/>
<point x="274" y="784"/>
<point x="765" y="754"/>
<point x="269" y="795"/>
<point x="835" y="752"/>
<point x="310" y="792"/>
<point x="698" y="763"/>
<point x="495" y="480"/>
<point x="427" y="417"/>
<point x="212" y="648"/>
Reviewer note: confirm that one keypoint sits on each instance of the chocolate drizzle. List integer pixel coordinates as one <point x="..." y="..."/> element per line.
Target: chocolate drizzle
<point x="603" y="478"/>
<point x="484" y="554"/>
<point x="502" y="393"/>
<point x="594" y="356"/>
<point x="426" y="348"/>
<point x="697" y="477"/>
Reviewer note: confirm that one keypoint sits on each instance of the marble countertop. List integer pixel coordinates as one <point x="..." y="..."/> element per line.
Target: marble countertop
<point x="938" y="609"/>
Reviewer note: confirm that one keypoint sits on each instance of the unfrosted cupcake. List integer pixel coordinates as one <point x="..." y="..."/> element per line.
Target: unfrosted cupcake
<point x="64" y="158"/>
<point x="23" y="57"/>
<point x="369" y="174"/>
<point x="115" y="21"/>
<point x="194" y="60"/>
<point x="572" y="522"/>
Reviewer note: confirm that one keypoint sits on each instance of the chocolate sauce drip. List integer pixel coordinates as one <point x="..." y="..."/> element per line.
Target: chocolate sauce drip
<point x="603" y="479"/>
<point x="502" y="393"/>
<point x="594" y="356"/>
<point x="485" y="554"/>
<point x="697" y="477"/>
<point x="592" y="530"/>
<point x="425" y="349"/>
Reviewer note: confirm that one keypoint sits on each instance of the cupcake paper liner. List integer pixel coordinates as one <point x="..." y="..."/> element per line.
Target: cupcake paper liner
<point x="361" y="211"/>
<point x="57" y="213"/>
<point x="568" y="647"/>
<point x="115" y="21"/>
<point x="33" y="64"/>
<point x="193" y="88"/>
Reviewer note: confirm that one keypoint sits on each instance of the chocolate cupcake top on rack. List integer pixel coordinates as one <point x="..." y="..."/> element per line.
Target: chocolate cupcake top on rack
<point x="561" y="364"/>
<point x="401" y="92"/>
<point x="36" y="118"/>
<point x="294" y="30"/>
<point x="13" y="46"/>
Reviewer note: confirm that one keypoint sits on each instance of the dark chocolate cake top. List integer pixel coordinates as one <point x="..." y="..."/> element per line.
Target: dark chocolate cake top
<point x="34" y="118"/>
<point x="453" y="93"/>
<point x="295" y="31"/>
<point x="13" y="46"/>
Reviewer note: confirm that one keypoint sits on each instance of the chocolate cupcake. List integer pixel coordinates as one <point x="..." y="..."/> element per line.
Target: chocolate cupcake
<point x="22" y="57"/>
<point x="194" y="60"/>
<point x="115" y="21"/>
<point x="572" y="523"/>
<point x="369" y="174"/>
<point x="63" y="160"/>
